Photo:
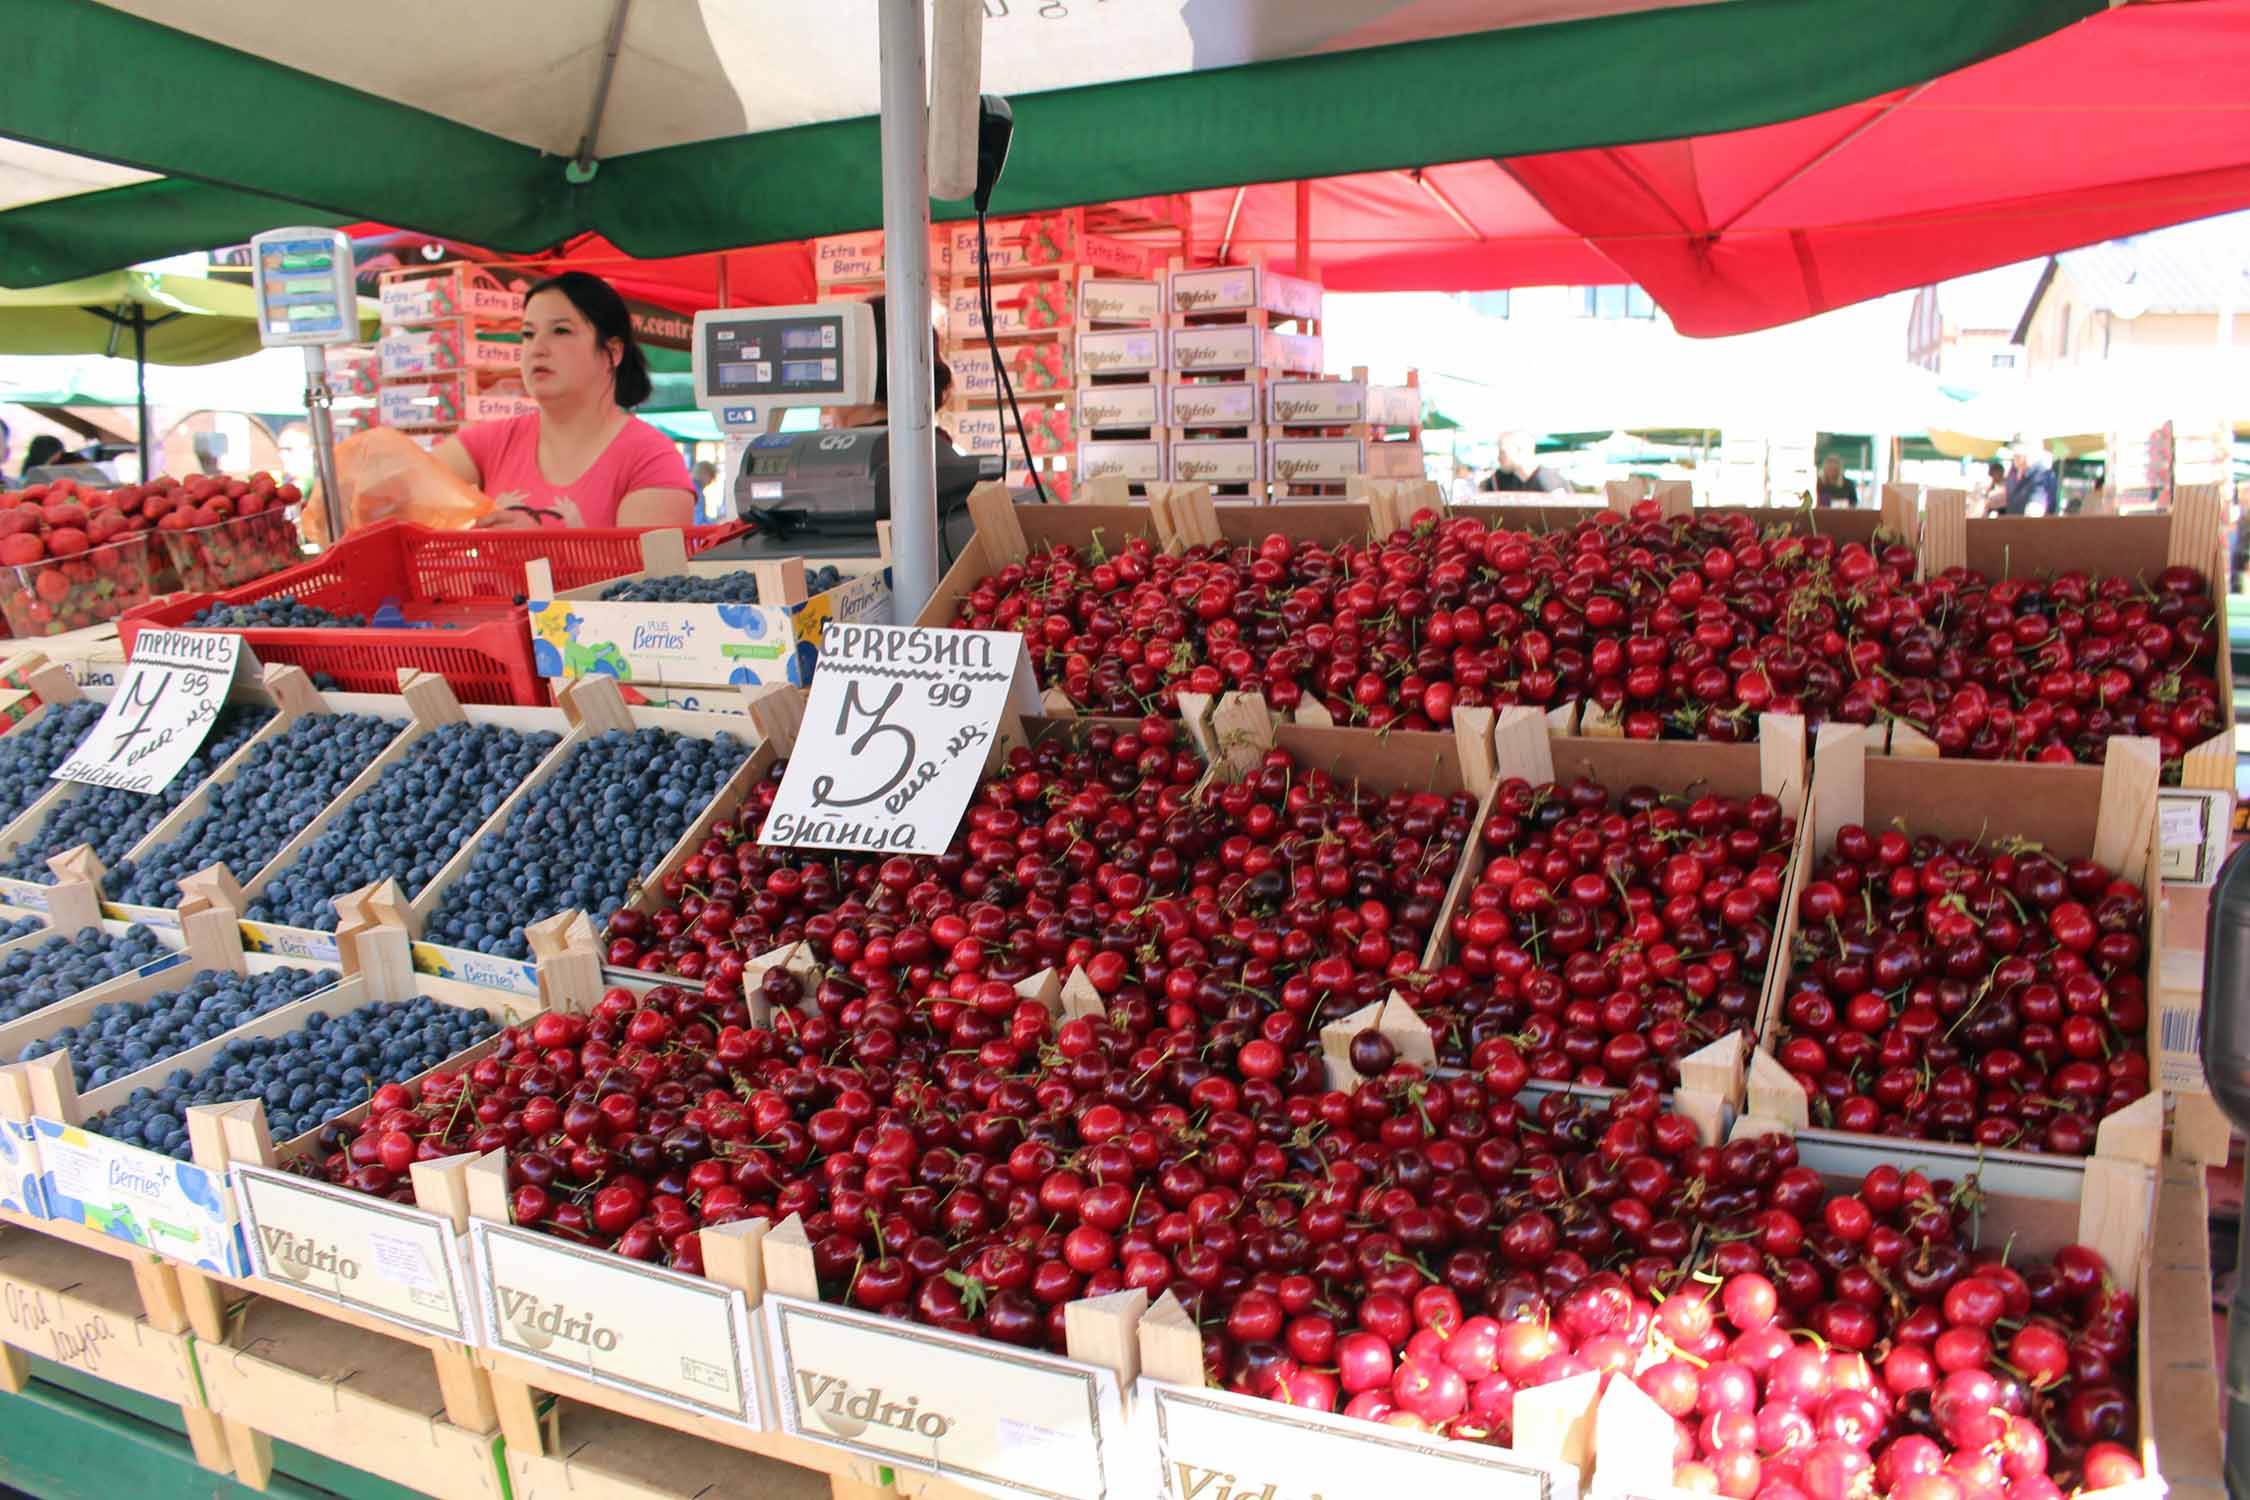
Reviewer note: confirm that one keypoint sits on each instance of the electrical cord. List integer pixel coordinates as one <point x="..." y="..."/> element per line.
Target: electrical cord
<point x="1000" y="367"/>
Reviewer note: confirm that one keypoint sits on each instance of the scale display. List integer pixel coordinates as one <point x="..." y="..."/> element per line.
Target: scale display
<point x="306" y="285"/>
<point x="801" y="358"/>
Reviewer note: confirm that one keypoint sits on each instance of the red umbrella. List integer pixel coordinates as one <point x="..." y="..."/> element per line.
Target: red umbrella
<point x="2134" y="118"/>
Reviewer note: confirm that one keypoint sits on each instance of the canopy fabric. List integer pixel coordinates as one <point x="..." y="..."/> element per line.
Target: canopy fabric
<point x="2074" y="411"/>
<point x="729" y="122"/>
<point x="190" y="320"/>
<point x="2132" y="119"/>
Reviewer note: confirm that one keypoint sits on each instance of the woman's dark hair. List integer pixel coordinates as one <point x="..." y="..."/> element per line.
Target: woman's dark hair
<point x="45" y="449"/>
<point x="598" y="303"/>
<point x="941" y="374"/>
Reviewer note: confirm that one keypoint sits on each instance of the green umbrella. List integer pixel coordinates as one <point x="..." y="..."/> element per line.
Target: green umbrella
<point x="170" y="320"/>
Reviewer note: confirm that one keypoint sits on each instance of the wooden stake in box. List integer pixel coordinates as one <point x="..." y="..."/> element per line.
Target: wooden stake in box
<point x="2105" y="813"/>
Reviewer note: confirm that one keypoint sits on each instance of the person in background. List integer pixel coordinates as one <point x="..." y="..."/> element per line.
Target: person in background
<point x="1992" y="500"/>
<point x="583" y="458"/>
<point x="703" y="474"/>
<point x="45" y="449"/>
<point x="2032" y="489"/>
<point x="1520" y="469"/>
<point x="877" y="413"/>
<point x="5" y="450"/>
<point x="1834" y="489"/>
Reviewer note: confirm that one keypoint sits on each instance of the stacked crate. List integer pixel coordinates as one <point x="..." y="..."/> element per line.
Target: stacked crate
<point x="1054" y="279"/>
<point x="1232" y="331"/>
<point x="450" y="351"/>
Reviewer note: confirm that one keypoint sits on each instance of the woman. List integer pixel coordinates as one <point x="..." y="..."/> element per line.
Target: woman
<point x="583" y="458"/>
<point x="1835" y="489"/>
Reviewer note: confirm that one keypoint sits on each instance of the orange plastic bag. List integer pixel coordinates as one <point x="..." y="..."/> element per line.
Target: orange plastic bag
<point x="385" y="476"/>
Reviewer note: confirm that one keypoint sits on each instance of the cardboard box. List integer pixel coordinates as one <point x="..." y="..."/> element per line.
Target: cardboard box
<point x="1113" y="299"/>
<point x="859" y="257"/>
<point x="984" y="430"/>
<point x="1099" y="408"/>
<point x="452" y="401"/>
<point x="1241" y="347"/>
<point x="1243" y="289"/>
<point x="1315" y="460"/>
<point x="445" y="347"/>
<point x="1341" y="403"/>
<point x="1036" y="367"/>
<point x="1218" y="461"/>
<point x="1052" y="239"/>
<point x="1216" y="403"/>
<point x="1120" y="351"/>
<point x="1140" y="461"/>
<point x="453" y="292"/>
<point x="1043" y="304"/>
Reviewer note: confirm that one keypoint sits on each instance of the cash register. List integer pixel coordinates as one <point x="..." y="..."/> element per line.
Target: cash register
<point x="810" y="492"/>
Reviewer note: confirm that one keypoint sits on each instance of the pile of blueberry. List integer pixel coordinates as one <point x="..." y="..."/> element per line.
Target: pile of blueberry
<point x="584" y="836"/>
<point x="113" y="820"/>
<point x="328" y="1065"/>
<point x="121" y="1038"/>
<point x="30" y="753"/>
<point x="712" y="588"/>
<point x="282" y="785"/>
<point x="409" y="823"/>
<point x="273" y="613"/>
<point x="21" y="927"/>
<point x="60" y="967"/>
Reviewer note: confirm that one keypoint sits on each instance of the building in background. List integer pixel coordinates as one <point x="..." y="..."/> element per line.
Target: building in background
<point x="2142" y="301"/>
<point x="1964" y="331"/>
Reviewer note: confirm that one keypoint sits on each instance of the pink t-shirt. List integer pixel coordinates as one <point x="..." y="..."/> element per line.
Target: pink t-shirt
<point x="506" y="454"/>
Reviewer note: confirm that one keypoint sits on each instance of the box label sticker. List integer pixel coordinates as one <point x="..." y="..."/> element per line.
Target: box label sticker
<point x="384" y="1259"/>
<point x="2193" y="829"/>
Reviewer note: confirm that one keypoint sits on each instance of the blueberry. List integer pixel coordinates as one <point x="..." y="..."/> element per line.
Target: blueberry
<point x="298" y="1075"/>
<point x="21" y="927"/>
<point x="209" y="1004"/>
<point x="712" y="588"/>
<point x="36" y="977"/>
<point x="585" y="836"/>
<point x="114" y="820"/>
<point x="29" y="755"/>
<point x="408" y="824"/>
<point x="282" y="784"/>
<point x="276" y="612"/>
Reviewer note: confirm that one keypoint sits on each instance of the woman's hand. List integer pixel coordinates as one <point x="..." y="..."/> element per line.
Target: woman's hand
<point x="508" y="518"/>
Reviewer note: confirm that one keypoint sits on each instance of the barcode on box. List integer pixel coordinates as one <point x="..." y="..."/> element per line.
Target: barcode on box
<point x="2180" y="1029"/>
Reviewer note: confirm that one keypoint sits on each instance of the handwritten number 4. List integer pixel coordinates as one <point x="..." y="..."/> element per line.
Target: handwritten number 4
<point x="147" y="706"/>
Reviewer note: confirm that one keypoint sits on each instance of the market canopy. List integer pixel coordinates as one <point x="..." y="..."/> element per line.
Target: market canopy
<point x="702" y="124"/>
<point x="2135" y="118"/>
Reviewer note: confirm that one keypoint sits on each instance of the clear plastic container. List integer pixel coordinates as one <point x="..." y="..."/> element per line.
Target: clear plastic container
<point x="70" y="593"/>
<point x="209" y="559"/>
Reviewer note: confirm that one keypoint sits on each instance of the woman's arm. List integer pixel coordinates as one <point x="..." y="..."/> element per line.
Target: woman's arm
<point x="656" y="508"/>
<point x="454" y="454"/>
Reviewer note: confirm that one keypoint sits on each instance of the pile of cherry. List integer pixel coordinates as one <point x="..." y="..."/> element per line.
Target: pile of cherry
<point x="1414" y="1249"/>
<point x="1682" y="628"/>
<point x="1967" y="992"/>
<point x="1607" y="937"/>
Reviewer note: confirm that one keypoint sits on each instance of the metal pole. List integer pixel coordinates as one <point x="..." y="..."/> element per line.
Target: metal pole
<point x="1304" y="229"/>
<point x="140" y="381"/>
<point x="317" y="399"/>
<point x="906" y="285"/>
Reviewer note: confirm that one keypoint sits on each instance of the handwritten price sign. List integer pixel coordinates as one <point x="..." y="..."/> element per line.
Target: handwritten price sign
<point x="173" y="690"/>
<point x="896" y="731"/>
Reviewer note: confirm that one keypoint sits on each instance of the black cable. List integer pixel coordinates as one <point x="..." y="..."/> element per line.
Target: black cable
<point x="1000" y="368"/>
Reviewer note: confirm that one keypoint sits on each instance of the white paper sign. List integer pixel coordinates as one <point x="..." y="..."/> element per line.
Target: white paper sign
<point x="2194" y="829"/>
<point x="637" y="1328"/>
<point x="378" y="1257"/>
<point x="1214" y="1442"/>
<point x="897" y="727"/>
<point x="1005" y="1421"/>
<point x="174" y="687"/>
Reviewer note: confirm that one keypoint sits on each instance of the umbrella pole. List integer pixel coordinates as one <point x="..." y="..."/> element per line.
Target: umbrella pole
<point x="906" y="286"/>
<point x="140" y="382"/>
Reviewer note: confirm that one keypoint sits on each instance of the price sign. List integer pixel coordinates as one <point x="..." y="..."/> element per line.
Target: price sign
<point x="896" y="731"/>
<point x="173" y="689"/>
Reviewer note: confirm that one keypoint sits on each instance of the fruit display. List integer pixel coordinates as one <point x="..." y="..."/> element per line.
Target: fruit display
<point x="2047" y="668"/>
<point x="585" y="836"/>
<point x="710" y="588"/>
<point x="1863" y="1342"/>
<point x="232" y="552"/>
<point x="325" y="1067"/>
<point x="281" y="784"/>
<point x="30" y="753"/>
<point x="1610" y="936"/>
<point x="278" y="612"/>
<point x="1965" y="990"/>
<point x="406" y="826"/>
<point x="72" y="555"/>
<point x="21" y="927"/>
<point x="112" y="820"/>
<point x="35" y="977"/>
<point x="121" y="1037"/>
<point x="1397" y="631"/>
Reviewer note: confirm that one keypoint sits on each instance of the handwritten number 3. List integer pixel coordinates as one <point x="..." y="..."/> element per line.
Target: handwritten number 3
<point x="823" y="786"/>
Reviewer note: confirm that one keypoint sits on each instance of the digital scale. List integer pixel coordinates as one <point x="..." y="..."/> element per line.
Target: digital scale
<point x="818" y="491"/>
<point x="307" y="288"/>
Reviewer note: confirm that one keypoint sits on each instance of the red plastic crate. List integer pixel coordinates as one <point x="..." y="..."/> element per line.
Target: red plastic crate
<point x="488" y="565"/>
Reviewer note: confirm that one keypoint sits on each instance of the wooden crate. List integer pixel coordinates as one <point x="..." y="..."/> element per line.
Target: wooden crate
<point x="606" y="1455"/>
<point x="2107" y="813"/>
<point x="1240" y="349"/>
<point x="1243" y="296"/>
<point x="1133" y="356"/>
<point x="1633" y="1436"/>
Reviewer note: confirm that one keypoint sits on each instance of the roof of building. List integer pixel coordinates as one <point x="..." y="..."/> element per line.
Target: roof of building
<point x="2148" y="274"/>
<point x="1989" y="299"/>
